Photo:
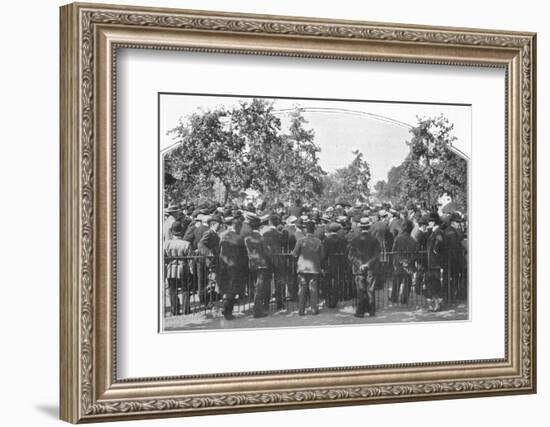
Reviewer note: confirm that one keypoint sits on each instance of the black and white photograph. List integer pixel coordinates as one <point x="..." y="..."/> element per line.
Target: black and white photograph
<point x="299" y="212"/>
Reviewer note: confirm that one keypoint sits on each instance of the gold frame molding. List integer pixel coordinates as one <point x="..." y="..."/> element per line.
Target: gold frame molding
<point x="90" y="36"/>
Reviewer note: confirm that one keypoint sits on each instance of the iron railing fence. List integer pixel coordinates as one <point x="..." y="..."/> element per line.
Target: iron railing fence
<point x="403" y="280"/>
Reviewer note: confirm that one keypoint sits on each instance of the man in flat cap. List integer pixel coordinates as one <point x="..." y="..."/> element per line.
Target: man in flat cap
<point x="364" y="253"/>
<point x="259" y="265"/>
<point x="309" y="255"/>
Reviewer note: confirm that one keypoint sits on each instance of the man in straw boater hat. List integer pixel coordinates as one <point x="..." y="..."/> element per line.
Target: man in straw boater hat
<point x="259" y="265"/>
<point x="177" y="269"/>
<point x="363" y="254"/>
<point x="232" y="265"/>
<point x="309" y="253"/>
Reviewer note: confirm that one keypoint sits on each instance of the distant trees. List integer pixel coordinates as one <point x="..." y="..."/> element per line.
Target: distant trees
<point x="392" y="190"/>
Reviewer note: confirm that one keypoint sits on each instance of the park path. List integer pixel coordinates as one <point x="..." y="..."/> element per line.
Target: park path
<point x="337" y="316"/>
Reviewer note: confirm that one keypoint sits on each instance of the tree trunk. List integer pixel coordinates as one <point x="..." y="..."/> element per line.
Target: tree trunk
<point x="226" y="194"/>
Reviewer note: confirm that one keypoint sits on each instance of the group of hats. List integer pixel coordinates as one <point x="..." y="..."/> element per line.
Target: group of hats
<point x="174" y="207"/>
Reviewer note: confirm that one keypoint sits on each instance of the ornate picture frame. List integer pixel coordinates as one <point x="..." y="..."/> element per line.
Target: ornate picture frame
<point x="90" y="37"/>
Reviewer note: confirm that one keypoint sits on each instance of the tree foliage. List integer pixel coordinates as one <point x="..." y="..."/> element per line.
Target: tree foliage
<point x="431" y="169"/>
<point x="240" y="149"/>
<point x="350" y="182"/>
<point x="355" y="178"/>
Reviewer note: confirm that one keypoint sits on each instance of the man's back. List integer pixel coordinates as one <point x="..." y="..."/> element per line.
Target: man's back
<point x="309" y="251"/>
<point x="364" y="248"/>
<point x="232" y="249"/>
<point x="273" y="241"/>
<point x="257" y="254"/>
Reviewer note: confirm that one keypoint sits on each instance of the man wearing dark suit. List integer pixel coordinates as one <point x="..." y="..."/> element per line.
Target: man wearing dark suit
<point x="232" y="266"/>
<point x="363" y="254"/>
<point x="435" y="248"/>
<point x="195" y="231"/>
<point x="395" y="222"/>
<point x="273" y="241"/>
<point x="259" y="265"/>
<point x="334" y="247"/>
<point x="380" y="230"/>
<point x="209" y="247"/>
<point x="404" y="259"/>
<point x="183" y="218"/>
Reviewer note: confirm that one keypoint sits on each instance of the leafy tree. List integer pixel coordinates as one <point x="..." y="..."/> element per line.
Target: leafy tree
<point x="296" y="158"/>
<point x="391" y="190"/>
<point x="355" y="178"/>
<point x="209" y="152"/>
<point x="431" y="169"/>
<point x="350" y="183"/>
<point x="379" y="187"/>
<point x="243" y="149"/>
<point x="436" y="168"/>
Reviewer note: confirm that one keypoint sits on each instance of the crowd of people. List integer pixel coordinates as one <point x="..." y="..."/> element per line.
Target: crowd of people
<point x="408" y="244"/>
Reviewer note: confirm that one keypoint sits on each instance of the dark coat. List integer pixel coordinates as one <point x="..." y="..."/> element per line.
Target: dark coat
<point x="233" y="262"/>
<point x="209" y="246"/>
<point x="421" y="237"/>
<point x="185" y="221"/>
<point x="194" y="233"/>
<point x="437" y="256"/>
<point x="209" y="243"/>
<point x="352" y="234"/>
<point x="232" y="250"/>
<point x="404" y="243"/>
<point x="454" y="250"/>
<point x="364" y="249"/>
<point x="273" y="240"/>
<point x="381" y="232"/>
<point x="395" y="226"/>
<point x="258" y="257"/>
<point x="334" y="247"/>
<point x="334" y="244"/>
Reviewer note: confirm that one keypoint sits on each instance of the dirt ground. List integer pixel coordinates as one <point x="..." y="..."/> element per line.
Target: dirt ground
<point x="212" y="319"/>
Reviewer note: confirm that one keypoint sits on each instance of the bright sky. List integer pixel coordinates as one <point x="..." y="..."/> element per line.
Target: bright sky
<point x="378" y="130"/>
